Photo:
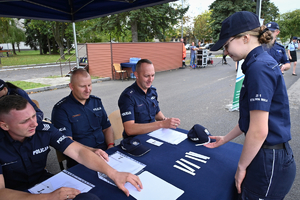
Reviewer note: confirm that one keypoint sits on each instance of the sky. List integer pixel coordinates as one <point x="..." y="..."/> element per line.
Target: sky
<point x="199" y="6"/>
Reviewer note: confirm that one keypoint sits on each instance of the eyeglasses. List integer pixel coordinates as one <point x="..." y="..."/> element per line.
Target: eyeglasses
<point x="226" y="45"/>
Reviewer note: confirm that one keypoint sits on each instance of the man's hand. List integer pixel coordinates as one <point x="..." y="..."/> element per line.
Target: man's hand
<point x="171" y="123"/>
<point x="102" y="154"/>
<point x="120" y="178"/>
<point x="64" y="193"/>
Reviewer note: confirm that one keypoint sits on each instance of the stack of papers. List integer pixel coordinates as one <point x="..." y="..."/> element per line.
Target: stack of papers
<point x="168" y="135"/>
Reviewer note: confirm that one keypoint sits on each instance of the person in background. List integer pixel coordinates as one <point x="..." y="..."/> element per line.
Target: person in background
<point x="24" y="147"/>
<point x="7" y="88"/>
<point x="266" y="169"/>
<point x="292" y="52"/>
<point x="139" y="106"/>
<point x="82" y="117"/>
<point x="275" y="49"/>
<point x="224" y="61"/>
<point x="183" y="53"/>
<point x="193" y="55"/>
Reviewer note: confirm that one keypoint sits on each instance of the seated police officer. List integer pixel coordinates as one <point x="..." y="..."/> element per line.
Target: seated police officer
<point x="24" y="146"/>
<point x="139" y="105"/>
<point x="276" y="50"/>
<point x="81" y="116"/>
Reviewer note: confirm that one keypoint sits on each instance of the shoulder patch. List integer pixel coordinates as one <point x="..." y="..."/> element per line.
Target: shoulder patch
<point x="44" y="126"/>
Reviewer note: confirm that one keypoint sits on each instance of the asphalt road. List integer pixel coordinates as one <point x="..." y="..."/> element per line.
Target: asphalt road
<point x="193" y="95"/>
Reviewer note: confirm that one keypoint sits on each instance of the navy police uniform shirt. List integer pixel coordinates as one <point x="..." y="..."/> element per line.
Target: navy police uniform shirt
<point x="135" y="105"/>
<point x="277" y="51"/>
<point x="264" y="89"/>
<point x="84" y="123"/>
<point x="23" y="163"/>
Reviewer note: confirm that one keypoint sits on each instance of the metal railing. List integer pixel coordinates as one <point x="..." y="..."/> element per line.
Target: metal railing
<point x="67" y="60"/>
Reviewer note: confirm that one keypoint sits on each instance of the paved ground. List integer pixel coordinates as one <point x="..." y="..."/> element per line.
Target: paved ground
<point x="193" y="95"/>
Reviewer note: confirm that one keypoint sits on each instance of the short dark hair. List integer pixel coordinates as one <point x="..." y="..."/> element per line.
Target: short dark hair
<point x="140" y="62"/>
<point x="10" y="102"/>
<point x="81" y="71"/>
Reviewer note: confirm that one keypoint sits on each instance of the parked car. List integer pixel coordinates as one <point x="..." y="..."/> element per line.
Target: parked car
<point x="187" y="46"/>
<point x="208" y="46"/>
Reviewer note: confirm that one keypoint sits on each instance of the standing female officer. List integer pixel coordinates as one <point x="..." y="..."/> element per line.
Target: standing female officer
<point x="292" y="51"/>
<point x="266" y="169"/>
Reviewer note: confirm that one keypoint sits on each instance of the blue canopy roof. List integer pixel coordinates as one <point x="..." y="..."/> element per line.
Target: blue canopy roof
<point x="70" y="10"/>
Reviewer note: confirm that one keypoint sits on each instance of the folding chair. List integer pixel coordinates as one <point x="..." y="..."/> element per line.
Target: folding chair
<point x="118" y="69"/>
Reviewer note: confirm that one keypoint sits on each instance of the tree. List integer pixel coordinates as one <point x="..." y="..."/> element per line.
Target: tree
<point x="289" y="24"/>
<point x="137" y="25"/>
<point x="11" y="32"/>
<point x="202" y="26"/>
<point x="223" y="9"/>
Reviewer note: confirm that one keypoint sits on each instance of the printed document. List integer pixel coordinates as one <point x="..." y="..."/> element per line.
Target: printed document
<point x="169" y="135"/>
<point x="62" y="179"/>
<point x="122" y="163"/>
<point x="154" y="188"/>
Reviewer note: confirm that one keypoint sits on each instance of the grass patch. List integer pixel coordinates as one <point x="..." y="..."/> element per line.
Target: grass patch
<point x="32" y="57"/>
<point x="56" y="76"/>
<point x="27" y="85"/>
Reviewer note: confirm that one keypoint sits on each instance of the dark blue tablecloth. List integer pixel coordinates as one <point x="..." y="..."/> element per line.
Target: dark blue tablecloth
<point x="131" y="65"/>
<point x="213" y="181"/>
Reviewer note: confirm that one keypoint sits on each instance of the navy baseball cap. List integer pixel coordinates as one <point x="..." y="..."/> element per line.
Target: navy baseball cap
<point x="134" y="147"/>
<point x="295" y="38"/>
<point x="272" y="26"/>
<point x="235" y="24"/>
<point x="2" y="84"/>
<point x="199" y="134"/>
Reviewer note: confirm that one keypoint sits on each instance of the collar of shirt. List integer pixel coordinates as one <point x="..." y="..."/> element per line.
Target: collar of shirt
<point x="75" y="100"/>
<point x="251" y="57"/>
<point x="140" y="91"/>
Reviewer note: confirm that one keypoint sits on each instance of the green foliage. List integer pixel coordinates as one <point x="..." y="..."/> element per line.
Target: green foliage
<point x="27" y="85"/>
<point x="202" y="26"/>
<point x="30" y="57"/>
<point x="150" y="22"/>
<point x="222" y="9"/>
<point x="289" y="24"/>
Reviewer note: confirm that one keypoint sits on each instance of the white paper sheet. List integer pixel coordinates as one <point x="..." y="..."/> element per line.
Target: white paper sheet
<point x="122" y="163"/>
<point x="168" y="135"/>
<point x="62" y="179"/>
<point x="154" y="188"/>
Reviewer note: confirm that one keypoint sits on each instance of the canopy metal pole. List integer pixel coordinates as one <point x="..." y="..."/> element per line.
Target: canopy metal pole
<point x="75" y="43"/>
<point x="258" y="8"/>
<point x="182" y="23"/>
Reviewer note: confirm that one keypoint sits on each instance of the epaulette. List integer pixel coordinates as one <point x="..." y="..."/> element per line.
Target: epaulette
<point x="44" y="126"/>
<point x="152" y="87"/>
<point x="60" y="102"/>
<point x="279" y="44"/>
<point x="94" y="97"/>
<point x="130" y="92"/>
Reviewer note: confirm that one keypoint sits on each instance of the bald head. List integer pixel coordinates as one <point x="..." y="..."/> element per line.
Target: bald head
<point x="78" y="72"/>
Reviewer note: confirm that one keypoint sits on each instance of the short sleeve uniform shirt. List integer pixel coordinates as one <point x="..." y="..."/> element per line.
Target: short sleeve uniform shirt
<point x="277" y="51"/>
<point x="23" y="164"/>
<point x="84" y="123"/>
<point x="293" y="46"/>
<point x="264" y="89"/>
<point x="135" y="105"/>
